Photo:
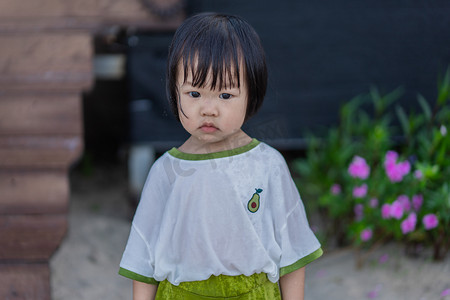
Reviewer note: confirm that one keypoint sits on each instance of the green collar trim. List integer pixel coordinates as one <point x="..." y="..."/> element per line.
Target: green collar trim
<point x="190" y="156"/>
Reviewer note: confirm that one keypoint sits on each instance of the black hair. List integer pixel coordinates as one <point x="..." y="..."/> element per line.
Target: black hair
<point x="217" y="43"/>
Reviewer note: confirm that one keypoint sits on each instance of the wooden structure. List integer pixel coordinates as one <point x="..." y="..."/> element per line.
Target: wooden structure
<point x="45" y="63"/>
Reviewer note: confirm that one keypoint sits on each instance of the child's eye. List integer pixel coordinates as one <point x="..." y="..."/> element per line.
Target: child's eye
<point x="225" y="96"/>
<point x="194" y="94"/>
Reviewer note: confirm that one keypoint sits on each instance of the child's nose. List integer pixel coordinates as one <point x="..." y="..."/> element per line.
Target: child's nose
<point x="209" y="108"/>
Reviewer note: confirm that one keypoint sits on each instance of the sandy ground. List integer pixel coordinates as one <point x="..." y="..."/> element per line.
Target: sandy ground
<point x="85" y="266"/>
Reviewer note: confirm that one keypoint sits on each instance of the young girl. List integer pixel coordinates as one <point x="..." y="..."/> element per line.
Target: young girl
<point x="219" y="216"/>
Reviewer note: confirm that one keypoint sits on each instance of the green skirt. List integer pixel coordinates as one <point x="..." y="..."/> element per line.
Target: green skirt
<point x="255" y="287"/>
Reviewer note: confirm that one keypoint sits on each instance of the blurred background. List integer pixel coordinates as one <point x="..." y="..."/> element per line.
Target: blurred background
<point x="329" y="63"/>
<point x="319" y="56"/>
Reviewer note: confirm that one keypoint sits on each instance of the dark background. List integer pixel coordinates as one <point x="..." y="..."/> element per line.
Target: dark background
<point x="319" y="53"/>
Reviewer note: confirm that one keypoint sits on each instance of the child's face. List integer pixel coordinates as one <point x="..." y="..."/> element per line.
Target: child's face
<point x="212" y="117"/>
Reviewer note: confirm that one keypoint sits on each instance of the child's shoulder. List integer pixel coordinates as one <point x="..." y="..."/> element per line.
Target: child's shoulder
<point x="160" y="166"/>
<point x="271" y="153"/>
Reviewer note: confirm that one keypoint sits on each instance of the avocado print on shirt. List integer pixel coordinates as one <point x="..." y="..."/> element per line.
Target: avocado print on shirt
<point x="253" y="203"/>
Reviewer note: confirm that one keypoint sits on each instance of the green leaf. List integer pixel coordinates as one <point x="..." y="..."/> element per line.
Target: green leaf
<point x="403" y="120"/>
<point x="440" y="159"/>
<point x="381" y="103"/>
<point x="302" y="167"/>
<point x="376" y="99"/>
<point x="393" y="96"/>
<point x="425" y="106"/>
<point x="444" y="88"/>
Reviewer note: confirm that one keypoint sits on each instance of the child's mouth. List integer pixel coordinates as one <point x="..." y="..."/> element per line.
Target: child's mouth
<point x="208" y="128"/>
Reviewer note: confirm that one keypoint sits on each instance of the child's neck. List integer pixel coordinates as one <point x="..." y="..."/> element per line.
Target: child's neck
<point x="195" y="146"/>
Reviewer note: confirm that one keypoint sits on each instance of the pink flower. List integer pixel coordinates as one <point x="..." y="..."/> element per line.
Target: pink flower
<point x="391" y="156"/>
<point x="372" y="294"/>
<point x="375" y="292"/>
<point x="417" y="201"/>
<point x="360" y="191"/>
<point x="396" y="210"/>
<point x="383" y="258"/>
<point x="430" y="221"/>
<point x="359" y="211"/>
<point x="445" y="292"/>
<point x="386" y="211"/>
<point x="335" y="189"/>
<point x="404" y="201"/>
<point x="373" y="202"/>
<point x="409" y="224"/>
<point x="404" y="167"/>
<point x="418" y="174"/>
<point x="395" y="171"/>
<point x="359" y="168"/>
<point x="366" y="234"/>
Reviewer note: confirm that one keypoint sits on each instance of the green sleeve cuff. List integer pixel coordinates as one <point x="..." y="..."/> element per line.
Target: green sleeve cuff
<point x="301" y="262"/>
<point x="137" y="277"/>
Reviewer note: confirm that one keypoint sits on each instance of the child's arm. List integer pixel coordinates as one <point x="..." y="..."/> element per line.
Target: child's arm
<point x="144" y="291"/>
<point x="292" y="285"/>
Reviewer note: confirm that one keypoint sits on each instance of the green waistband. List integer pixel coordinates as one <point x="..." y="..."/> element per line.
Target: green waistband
<point x="224" y="286"/>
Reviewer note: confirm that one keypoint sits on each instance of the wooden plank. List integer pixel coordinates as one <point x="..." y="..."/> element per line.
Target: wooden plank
<point x="30" y="237"/>
<point x="46" y="61"/>
<point x="58" y="8"/>
<point x="85" y="14"/>
<point x="37" y="152"/>
<point x="86" y="24"/>
<point x="25" y="281"/>
<point x="33" y="192"/>
<point x="40" y="114"/>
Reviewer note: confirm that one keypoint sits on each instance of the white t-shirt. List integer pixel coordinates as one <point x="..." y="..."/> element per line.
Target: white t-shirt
<point x="234" y="212"/>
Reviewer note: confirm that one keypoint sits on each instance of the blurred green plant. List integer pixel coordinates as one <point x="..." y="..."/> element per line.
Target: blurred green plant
<point x="384" y="175"/>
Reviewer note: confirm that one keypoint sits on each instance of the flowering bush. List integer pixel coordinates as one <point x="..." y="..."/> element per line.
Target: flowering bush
<point x="376" y="180"/>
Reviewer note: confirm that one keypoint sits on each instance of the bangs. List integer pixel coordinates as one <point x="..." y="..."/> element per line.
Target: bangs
<point x="215" y="74"/>
<point x="215" y="53"/>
